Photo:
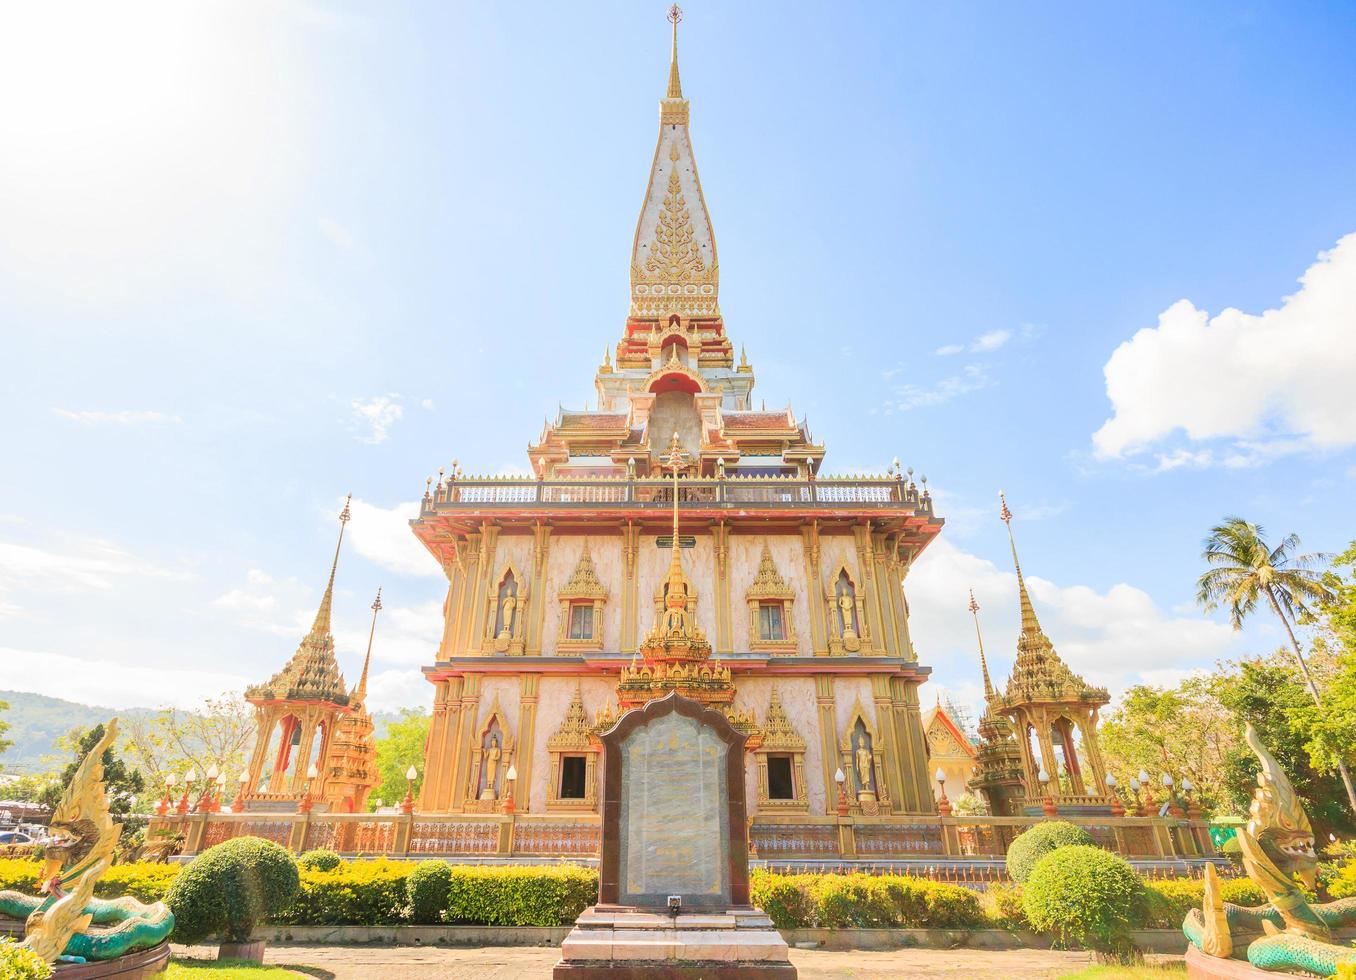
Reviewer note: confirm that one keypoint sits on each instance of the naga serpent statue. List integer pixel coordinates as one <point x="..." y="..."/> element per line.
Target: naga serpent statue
<point x="66" y="921"/>
<point x="1277" y="844"/>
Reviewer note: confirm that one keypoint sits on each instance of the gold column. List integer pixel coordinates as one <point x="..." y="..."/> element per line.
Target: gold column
<point x="814" y="590"/>
<point x="489" y="542"/>
<point x="527" y="727"/>
<point x="541" y="550"/>
<point x="469" y="600"/>
<point x="465" y="731"/>
<point x="913" y="758"/>
<point x="265" y="721"/>
<point x="828" y="737"/>
<point x="630" y="586"/>
<point x="899" y="569"/>
<point x="872" y="641"/>
<point x="887" y="725"/>
<point x="304" y="759"/>
<point x="438" y="762"/>
<point x="720" y="540"/>
<point x="880" y="561"/>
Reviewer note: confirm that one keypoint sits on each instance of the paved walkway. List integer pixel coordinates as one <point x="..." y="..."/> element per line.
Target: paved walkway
<point x="535" y="962"/>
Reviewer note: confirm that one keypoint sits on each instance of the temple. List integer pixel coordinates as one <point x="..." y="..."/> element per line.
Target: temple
<point x="676" y="538"/>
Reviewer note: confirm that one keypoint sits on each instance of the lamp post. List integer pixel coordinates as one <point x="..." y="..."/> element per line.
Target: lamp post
<point x="163" y="807"/>
<point x="206" y="804"/>
<point x="510" y="777"/>
<point x="1147" y="808"/>
<point x="1174" y="808"/>
<point x="1048" y="805"/>
<point x="943" y="804"/>
<point x="840" y="779"/>
<point x="1116" y="809"/>
<point x="1193" y="806"/>
<point x="190" y="778"/>
<point x="407" y="804"/>
<point x="312" y="773"/>
<point x="238" y="806"/>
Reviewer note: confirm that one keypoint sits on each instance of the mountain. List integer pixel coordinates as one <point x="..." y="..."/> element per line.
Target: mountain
<point x="37" y="721"/>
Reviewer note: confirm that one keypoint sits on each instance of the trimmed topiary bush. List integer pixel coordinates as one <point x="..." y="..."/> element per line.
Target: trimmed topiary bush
<point x="426" y="890"/>
<point x="863" y="901"/>
<point x="1083" y="895"/>
<point x="1039" y="841"/>
<point x="319" y="860"/>
<point x="229" y="889"/>
<point x="520" y="896"/>
<point x="21" y="963"/>
<point x="358" y="893"/>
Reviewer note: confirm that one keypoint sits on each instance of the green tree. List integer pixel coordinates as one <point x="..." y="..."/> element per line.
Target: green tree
<point x="1184" y="730"/>
<point x="217" y="733"/>
<point x="123" y="784"/>
<point x="1245" y="571"/>
<point x="401" y="747"/>
<point x="5" y="743"/>
<point x="1268" y="691"/>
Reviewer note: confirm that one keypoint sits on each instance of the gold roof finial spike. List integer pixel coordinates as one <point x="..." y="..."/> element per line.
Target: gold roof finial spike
<point x="322" y="615"/>
<point x="1029" y="621"/>
<point x="360" y="693"/>
<point x="983" y="664"/>
<point x="675" y="84"/>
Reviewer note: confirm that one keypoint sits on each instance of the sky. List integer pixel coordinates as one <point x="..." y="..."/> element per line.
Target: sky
<point x="257" y="256"/>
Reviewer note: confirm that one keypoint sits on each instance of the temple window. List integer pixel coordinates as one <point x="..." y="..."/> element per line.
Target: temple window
<point x="582" y="598"/>
<point x="573" y="769"/>
<point x="770" y="599"/>
<point x="771" y="623"/>
<point x="573" y="785"/>
<point x="781" y="762"/>
<point x="780" y="784"/>
<point x="581" y="621"/>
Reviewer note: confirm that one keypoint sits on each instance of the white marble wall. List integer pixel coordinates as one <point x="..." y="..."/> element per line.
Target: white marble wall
<point x="553" y="700"/>
<point x="788" y="553"/>
<point x="606" y="551"/>
<point x="798" y="700"/>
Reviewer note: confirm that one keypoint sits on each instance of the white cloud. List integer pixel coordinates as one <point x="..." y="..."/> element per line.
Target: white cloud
<point x="94" y="564"/>
<point x="1264" y="385"/>
<point x="109" y="683"/>
<point x="390" y="690"/>
<point x="427" y="404"/>
<point x="383" y="535"/>
<point x="1114" y="638"/>
<point x="374" y="417"/>
<point x="985" y="343"/>
<point x="973" y="377"/>
<point x="124" y="417"/>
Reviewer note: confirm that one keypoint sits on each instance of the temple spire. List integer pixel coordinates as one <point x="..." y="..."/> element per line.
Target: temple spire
<point x="983" y="664"/>
<point x="321" y="625"/>
<point x="675" y="90"/>
<point x="1030" y="625"/>
<point x="360" y="692"/>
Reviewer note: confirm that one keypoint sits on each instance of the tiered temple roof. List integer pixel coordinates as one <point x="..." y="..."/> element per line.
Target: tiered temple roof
<point x="313" y="672"/>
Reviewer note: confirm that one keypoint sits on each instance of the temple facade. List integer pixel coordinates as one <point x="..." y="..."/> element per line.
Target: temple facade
<point x="677" y="537"/>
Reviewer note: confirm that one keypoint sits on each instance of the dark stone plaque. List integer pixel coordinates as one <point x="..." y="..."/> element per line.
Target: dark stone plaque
<point x="673" y="809"/>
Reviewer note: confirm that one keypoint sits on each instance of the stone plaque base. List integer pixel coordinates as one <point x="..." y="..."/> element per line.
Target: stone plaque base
<point x="729" y="944"/>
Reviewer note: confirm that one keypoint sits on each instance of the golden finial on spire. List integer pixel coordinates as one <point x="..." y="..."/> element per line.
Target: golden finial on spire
<point x="361" y="690"/>
<point x="983" y="664"/>
<point x="675" y="84"/>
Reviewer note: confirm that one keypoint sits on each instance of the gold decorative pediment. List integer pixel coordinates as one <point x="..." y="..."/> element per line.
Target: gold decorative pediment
<point x="583" y="582"/>
<point x="779" y="735"/>
<point x="573" y="733"/>
<point x="768" y="583"/>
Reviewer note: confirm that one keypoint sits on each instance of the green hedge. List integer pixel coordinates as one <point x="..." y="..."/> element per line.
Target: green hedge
<point x="231" y="888"/>
<point x="319" y="859"/>
<point x="357" y="893"/>
<point x="507" y="896"/>
<point x="1039" y="840"/>
<point x="426" y="891"/>
<point x="864" y="902"/>
<point x="1170" y="899"/>
<point x="21" y="963"/>
<point x="1084" y="895"/>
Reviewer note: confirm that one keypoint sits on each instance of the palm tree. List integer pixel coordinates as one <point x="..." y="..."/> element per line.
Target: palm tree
<point x="1245" y="570"/>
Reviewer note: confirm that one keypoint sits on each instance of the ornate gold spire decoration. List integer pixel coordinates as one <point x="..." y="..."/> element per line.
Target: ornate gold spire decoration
<point x="983" y="664"/>
<point x="1039" y="674"/>
<point x="675" y="84"/>
<point x="312" y="674"/>
<point x="360" y="692"/>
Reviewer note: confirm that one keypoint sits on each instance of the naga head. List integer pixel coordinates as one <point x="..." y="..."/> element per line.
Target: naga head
<point x="81" y="821"/>
<point x="1277" y="821"/>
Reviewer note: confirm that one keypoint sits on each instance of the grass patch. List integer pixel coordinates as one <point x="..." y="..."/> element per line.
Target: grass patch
<point x="1128" y="972"/>
<point x="226" y="970"/>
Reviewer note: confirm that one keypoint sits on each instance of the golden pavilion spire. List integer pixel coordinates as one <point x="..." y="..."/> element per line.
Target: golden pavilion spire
<point x="1039" y="673"/>
<point x="313" y="673"/>
<point x="983" y="664"/>
<point x="673" y="256"/>
<point x="360" y="692"/>
<point x="675" y="83"/>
